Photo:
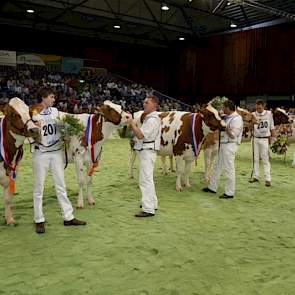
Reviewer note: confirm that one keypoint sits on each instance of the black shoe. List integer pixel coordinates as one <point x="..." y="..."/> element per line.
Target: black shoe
<point x="208" y="190"/>
<point x="74" y="222"/>
<point x="253" y="179"/>
<point x="144" y="214"/>
<point x="141" y="207"/>
<point x="40" y="228"/>
<point x="225" y="196"/>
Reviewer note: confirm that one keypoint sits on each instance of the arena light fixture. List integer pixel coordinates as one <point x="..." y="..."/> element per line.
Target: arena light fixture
<point x="228" y="3"/>
<point x="117" y="27"/>
<point x="165" y="7"/>
<point x="30" y="11"/>
<point x="181" y="38"/>
<point x="233" y="25"/>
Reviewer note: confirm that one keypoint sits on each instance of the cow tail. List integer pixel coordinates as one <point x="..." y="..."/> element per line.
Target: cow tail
<point x="66" y="156"/>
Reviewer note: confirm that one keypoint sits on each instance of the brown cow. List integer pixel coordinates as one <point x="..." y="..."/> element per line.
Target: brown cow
<point x="15" y="126"/>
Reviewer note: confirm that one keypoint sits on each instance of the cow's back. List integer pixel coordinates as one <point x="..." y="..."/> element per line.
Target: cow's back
<point x="175" y="130"/>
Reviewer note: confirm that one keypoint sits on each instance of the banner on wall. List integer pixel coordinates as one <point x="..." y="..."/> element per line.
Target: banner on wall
<point x="30" y="59"/>
<point x="8" y="58"/>
<point x="37" y="59"/>
<point x="71" y="65"/>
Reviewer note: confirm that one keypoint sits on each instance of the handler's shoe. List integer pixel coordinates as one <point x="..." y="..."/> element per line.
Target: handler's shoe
<point x="74" y="222"/>
<point x="40" y="228"/>
<point x="267" y="183"/>
<point x="253" y="179"/>
<point x="225" y="196"/>
<point x="144" y="214"/>
<point x="141" y="207"/>
<point x="208" y="190"/>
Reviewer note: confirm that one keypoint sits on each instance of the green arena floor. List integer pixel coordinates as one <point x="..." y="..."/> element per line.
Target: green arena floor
<point x="196" y="244"/>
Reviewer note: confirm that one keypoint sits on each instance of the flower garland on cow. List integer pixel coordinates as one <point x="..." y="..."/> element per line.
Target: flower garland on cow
<point x="69" y="127"/>
<point x="280" y="145"/>
<point x="217" y="103"/>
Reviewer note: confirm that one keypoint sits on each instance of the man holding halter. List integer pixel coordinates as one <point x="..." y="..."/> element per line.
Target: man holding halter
<point x="230" y="138"/>
<point x="47" y="155"/>
<point x="263" y="132"/>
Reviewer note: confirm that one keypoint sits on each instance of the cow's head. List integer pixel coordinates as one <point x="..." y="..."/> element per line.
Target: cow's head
<point x="248" y="118"/>
<point x="281" y="117"/>
<point x="18" y="115"/>
<point x="113" y="113"/>
<point x="211" y="118"/>
<point x="138" y="118"/>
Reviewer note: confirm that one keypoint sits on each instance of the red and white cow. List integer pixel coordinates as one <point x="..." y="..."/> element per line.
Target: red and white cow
<point x="105" y="121"/>
<point x="182" y="136"/>
<point x="15" y="126"/>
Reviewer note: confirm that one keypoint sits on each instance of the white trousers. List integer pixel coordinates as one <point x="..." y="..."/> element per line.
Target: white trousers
<point x="149" y="200"/>
<point x="42" y="162"/>
<point x="226" y="162"/>
<point x="261" y="150"/>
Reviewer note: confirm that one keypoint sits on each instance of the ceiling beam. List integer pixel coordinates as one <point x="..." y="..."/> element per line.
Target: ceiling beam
<point x="68" y="9"/>
<point x="156" y="21"/>
<point x="266" y="9"/>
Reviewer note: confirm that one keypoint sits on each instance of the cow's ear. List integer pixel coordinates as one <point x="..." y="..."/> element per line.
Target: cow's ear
<point x="5" y="110"/>
<point x="98" y="110"/>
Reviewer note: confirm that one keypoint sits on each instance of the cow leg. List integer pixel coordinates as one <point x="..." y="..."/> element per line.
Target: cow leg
<point x="163" y="165"/>
<point x="4" y="182"/>
<point x="90" y="198"/>
<point x="187" y="171"/>
<point x="8" y="208"/>
<point x="209" y="158"/>
<point x="179" y="172"/>
<point x="207" y="163"/>
<point x="132" y="157"/>
<point x="81" y="181"/>
<point x="171" y="164"/>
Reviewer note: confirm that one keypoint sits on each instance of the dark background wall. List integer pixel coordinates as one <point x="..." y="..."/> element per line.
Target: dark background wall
<point x="254" y="62"/>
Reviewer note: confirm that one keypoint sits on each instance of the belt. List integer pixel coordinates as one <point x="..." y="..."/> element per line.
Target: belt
<point x="262" y="137"/>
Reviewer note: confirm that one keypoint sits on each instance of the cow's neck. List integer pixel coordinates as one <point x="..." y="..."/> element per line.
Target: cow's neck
<point x="199" y="129"/>
<point x="102" y="129"/>
<point x="14" y="142"/>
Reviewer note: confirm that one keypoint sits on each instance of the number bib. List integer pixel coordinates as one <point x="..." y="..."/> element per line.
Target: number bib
<point x="262" y="129"/>
<point x="49" y="134"/>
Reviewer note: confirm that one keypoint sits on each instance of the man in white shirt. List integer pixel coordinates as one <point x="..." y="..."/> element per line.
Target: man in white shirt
<point x="47" y="155"/>
<point x="230" y="138"/>
<point x="147" y="143"/>
<point x="263" y="132"/>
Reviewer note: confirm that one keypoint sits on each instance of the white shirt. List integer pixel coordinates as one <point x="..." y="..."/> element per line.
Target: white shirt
<point x="265" y="124"/>
<point x="151" y="130"/>
<point x="235" y="123"/>
<point x="49" y="139"/>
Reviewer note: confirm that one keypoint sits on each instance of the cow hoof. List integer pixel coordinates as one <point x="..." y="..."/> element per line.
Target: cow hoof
<point x="178" y="188"/>
<point x="188" y="185"/>
<point x="80" y="207"/>
<point x="131" y="177"/>
<point x="91" y="203"/>
<point x="11" y="222"/>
